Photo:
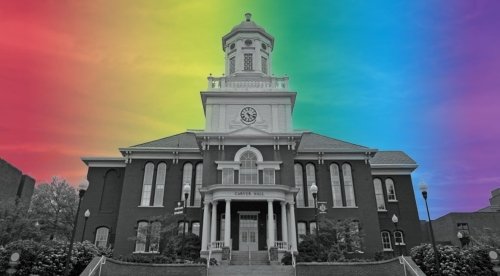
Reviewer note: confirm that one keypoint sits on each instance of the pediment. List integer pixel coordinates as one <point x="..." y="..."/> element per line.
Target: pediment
<point x="248" y="131"/>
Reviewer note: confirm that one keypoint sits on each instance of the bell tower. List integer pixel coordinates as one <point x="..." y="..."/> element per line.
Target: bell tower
<point x="248" y="98"/>
<point x="247" y="49"/>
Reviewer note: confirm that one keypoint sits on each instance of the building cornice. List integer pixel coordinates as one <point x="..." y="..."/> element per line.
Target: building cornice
<point x="104" y="162"/>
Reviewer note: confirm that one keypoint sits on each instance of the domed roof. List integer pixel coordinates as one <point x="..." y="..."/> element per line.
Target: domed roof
<point x="247" y="26"/>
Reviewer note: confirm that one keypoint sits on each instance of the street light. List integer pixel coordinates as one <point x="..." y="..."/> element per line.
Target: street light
<point x="186" y="190"/>
<point x="86" y="215"/>
<point x="82" y="188"/>
<point x="314" y="192"/>
<point x="395" y="220"/>
<point x="424" y="188"/>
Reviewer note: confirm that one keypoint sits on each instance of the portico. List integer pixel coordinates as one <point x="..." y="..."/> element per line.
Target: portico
<point x="257" y="214"/>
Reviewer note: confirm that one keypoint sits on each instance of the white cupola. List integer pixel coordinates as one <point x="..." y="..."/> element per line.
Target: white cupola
<point x="248" y="49"/>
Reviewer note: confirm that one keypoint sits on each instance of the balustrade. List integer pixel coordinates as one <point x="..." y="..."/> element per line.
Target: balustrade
<point x="258" y="83"/>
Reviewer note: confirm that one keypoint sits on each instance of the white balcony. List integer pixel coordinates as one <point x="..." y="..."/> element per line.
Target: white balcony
<point x="281" y="245"/>
<point x="247" y="83"/>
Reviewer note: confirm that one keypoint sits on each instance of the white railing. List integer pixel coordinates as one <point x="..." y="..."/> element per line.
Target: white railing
<point x="99" y="264"/>
<point x="216" y="83"/>
<point x="281" y="245"/>
<point x="217" y="245"/>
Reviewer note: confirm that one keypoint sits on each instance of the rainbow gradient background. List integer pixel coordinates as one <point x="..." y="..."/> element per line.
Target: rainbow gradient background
<point x="82" y="78"/>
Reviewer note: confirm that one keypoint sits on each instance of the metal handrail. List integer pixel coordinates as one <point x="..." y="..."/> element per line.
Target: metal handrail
<point x="406" y="263"/>
<point x="99" y="264"/>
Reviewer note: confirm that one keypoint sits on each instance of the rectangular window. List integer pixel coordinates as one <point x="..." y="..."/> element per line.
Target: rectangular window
<point x="227" y="176"/>
<point x="195" y="228"/>
<point x="463" y="227"/>
<point x="232" y="65"/>
<point x="247" y="62"/>
<point x="154" y="242"/>
<point x="264" y="65"/>
<point x="312" y="228"/>
<point x="142" y="233"/>
<point x="301" y="230"/>
<point x="268" y="176"/>
<point x="386" y="241"/>
<point x="101" y="237"/>
<point x="160" y="184"/>
<point x="379" y="194"/>
<point x="182" y="226"/>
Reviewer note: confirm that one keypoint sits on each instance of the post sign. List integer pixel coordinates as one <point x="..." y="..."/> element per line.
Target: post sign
<point x="322" y="207"/>
<point x="179" y="209"/>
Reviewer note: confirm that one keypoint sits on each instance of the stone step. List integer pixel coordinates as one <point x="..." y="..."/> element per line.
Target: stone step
<point x="256" y="258"/>
<point x="251" y="270"/>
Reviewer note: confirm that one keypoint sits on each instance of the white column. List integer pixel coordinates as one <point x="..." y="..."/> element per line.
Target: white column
<point x="289" y="221"/>
<point x="284" y="224"/>
<point x="213" y="230"/>
<point x="270" y="224"/>
<point x="206" y="222"/>
<point x="227" y="227"/>
<point x="293" y="231"/>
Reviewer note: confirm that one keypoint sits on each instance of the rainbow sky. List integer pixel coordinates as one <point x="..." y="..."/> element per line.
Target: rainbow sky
<point x="80" y="78"/>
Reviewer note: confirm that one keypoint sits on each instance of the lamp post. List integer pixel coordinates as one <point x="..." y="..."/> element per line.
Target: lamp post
<point x="86" y="215"/>
<point x="314" y="192"/>
<point x="186" y="191"/>
<point x="424" y="188"/>
<point x="395" y="220"/>
<point x="82" y="188"/>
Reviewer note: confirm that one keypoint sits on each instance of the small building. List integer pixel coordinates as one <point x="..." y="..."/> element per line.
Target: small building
<point x="472" y="225"/>
<point x="249" y="173"/>
<point x="14" y="184"/>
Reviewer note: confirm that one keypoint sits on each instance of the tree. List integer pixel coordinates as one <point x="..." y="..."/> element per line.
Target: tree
<point x="336" y="240"/>
<point x="54" y="205"/>
<point x="16" y="223"/>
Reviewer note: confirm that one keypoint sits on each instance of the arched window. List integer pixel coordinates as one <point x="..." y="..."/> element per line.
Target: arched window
<point x="198" y="179"/>
<point x="142" y="233"/>
<point x="350" y="200"/>
<point x="299" y="184"/>
<point x="391" y="191"/>
<point x="101" y="237"/>
<point x="161" y="173"/>
<point x="147" y="184"/>
<point x="248" y="171"/>
<point x="154" y="242"/>
<point x="379" y="194"/>
<point x="386" y="241"/>
<point x="187" y="178"/>
<point x="310" y="178"/>
<point x="398" y="238"/>
<point x="336" y="189"/>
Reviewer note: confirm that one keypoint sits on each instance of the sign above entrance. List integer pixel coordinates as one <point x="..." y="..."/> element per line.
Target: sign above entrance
<point x="248" y="193"/>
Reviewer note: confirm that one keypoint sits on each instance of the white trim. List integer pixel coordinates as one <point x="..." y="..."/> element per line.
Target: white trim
<point x="268" y="165"/>
<point x="395" y="200"/>
<point x="145" y="206"/>
<point x="341" y="155"/>
<point x="382" y="211"/>
<point x="104" y="162"/>
<point x="345" y="207"/>
<point x="393" y="171"/>
<point x="257" y="153"/>
<point x="235" y="165"/>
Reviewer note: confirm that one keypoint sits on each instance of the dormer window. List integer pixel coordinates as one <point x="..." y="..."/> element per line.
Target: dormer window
<point x="247" y="62"/>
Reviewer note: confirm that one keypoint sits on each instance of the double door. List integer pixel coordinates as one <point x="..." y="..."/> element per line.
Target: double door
<point x="249" y="238"/>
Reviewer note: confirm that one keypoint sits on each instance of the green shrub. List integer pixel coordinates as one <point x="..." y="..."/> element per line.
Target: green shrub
<point x="453" y="260"/>
<point x="48" y="258"/>
<point x="147" y="259"/>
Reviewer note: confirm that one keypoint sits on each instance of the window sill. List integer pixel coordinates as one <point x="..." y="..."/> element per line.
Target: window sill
<point x="144" y="252"/>
<point x="387" y="250"/>
<point x="141" y="206"/>
<point x="400" y="244"/>
<point x="344" y="207"/>
<point x="382" y="211"/>
<point x="395" y="200"/>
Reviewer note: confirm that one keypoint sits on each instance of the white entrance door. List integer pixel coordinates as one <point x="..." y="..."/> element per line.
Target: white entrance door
<point x="249" y="239"/>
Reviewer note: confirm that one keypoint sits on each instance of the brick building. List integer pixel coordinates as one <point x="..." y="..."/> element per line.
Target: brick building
<point x="14" y="184"/>
<point x="249" y="173"/>
<point x="484" y="222"/>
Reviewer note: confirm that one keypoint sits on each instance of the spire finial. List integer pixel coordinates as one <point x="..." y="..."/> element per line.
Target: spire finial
<point x="248" y="16"/>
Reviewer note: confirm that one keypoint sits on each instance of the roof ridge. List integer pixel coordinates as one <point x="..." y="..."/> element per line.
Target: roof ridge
<point x="171" y="136"/>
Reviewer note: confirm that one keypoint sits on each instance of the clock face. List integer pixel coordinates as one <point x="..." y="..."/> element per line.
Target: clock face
<point x="248" y="115"/>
